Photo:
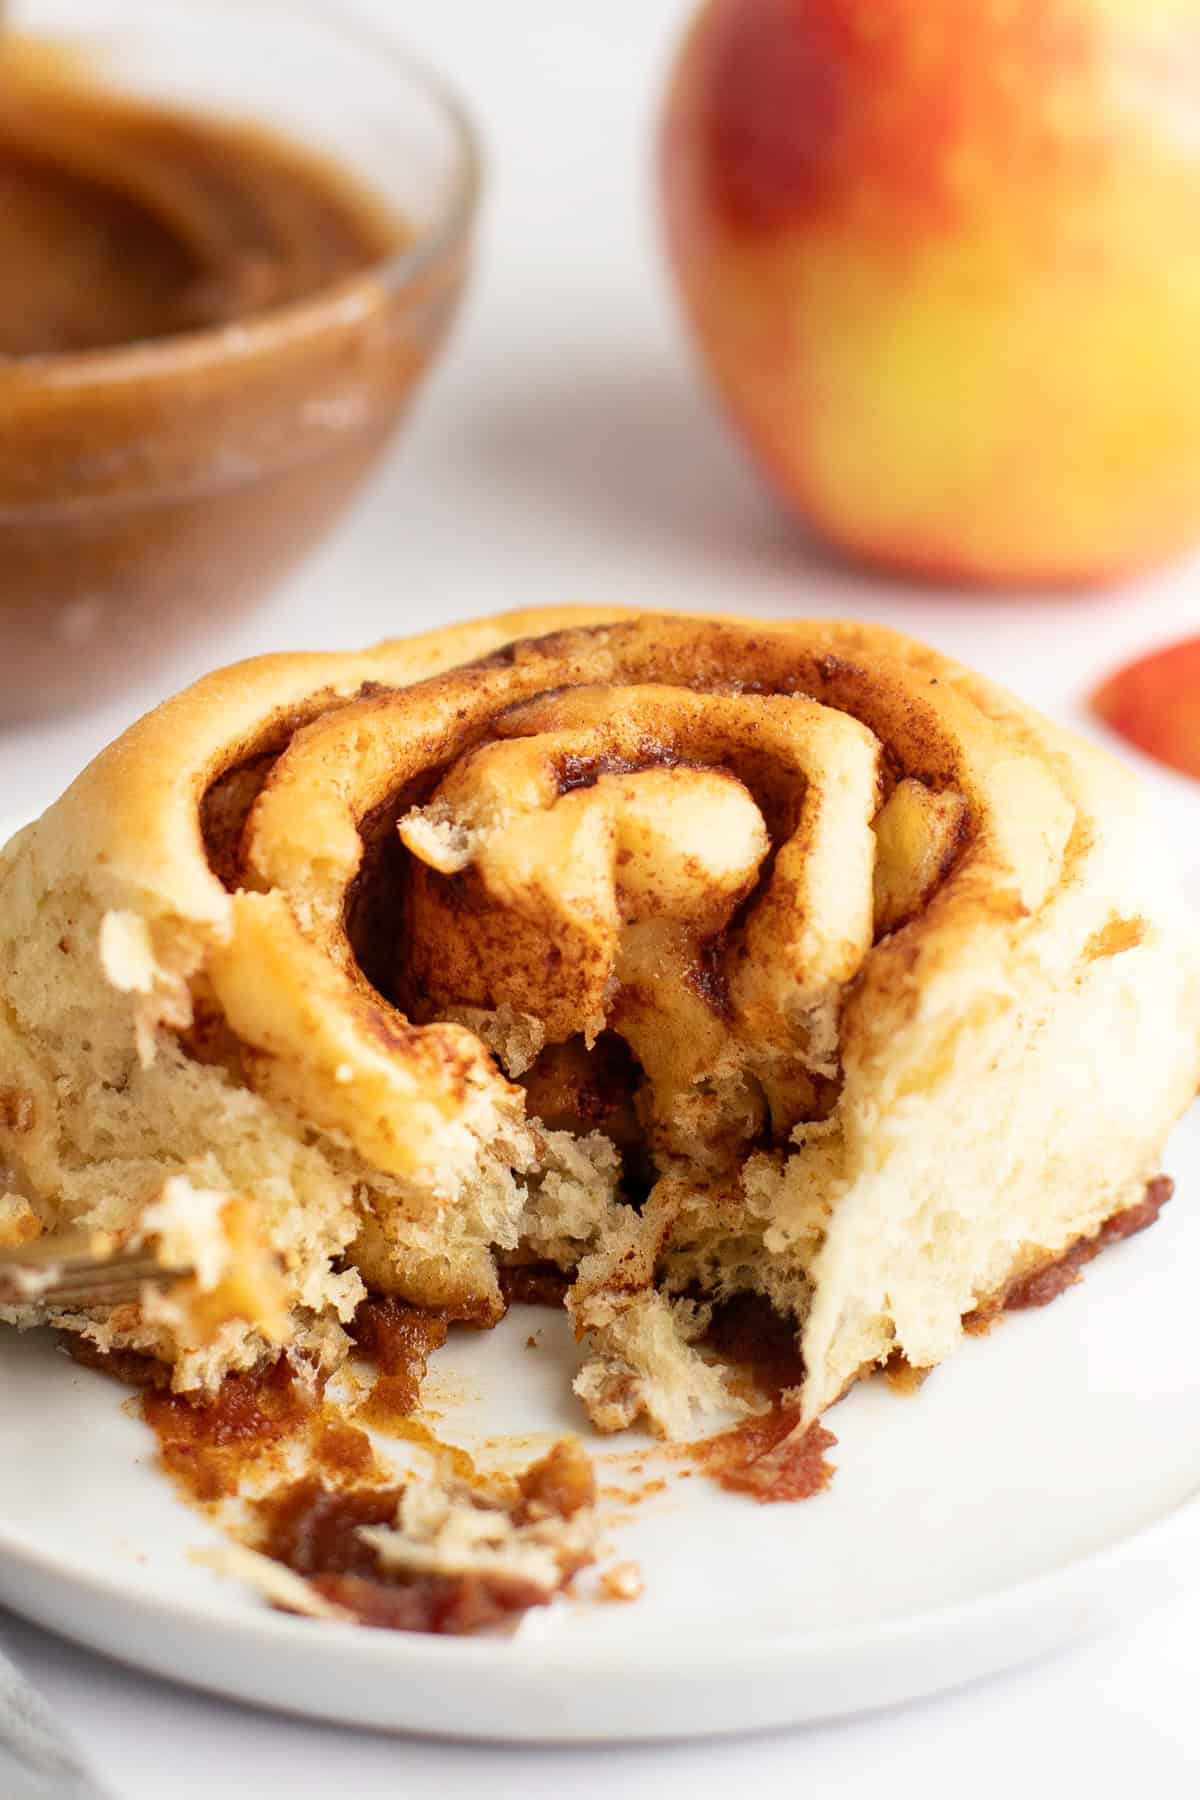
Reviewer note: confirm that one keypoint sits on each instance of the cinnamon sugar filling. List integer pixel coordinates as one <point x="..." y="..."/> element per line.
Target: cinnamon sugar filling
<point x="619" y="884"/>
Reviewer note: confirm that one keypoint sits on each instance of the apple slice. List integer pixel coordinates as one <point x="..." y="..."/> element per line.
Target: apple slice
<point x="1155" y="704"/>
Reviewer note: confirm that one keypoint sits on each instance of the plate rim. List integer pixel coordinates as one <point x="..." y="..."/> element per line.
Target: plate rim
<point x="707" y="1687"/>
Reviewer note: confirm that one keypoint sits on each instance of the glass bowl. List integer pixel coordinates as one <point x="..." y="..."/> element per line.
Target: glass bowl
<point x="151" y="490"/>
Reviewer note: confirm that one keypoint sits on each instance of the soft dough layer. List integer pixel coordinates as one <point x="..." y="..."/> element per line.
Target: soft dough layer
<point x="696" y="956"/>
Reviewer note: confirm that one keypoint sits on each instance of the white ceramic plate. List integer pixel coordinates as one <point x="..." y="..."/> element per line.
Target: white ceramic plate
<point x="1038" y="1488"/>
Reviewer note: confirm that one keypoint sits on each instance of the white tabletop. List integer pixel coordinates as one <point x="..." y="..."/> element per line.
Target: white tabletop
<point x="565" y="451"/>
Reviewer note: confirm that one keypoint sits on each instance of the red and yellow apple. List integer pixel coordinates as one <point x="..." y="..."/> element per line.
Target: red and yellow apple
<point x="943" y="260"/>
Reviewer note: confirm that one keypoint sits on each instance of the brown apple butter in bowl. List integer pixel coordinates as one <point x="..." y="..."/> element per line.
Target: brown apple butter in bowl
<point x="232" y="234"/>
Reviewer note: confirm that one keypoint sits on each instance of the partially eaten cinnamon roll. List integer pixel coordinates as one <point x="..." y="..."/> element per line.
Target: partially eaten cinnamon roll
<point x="694" y="957"/>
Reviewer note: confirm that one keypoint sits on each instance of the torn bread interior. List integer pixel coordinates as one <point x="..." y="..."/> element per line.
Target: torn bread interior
<point x="684" y="958"/>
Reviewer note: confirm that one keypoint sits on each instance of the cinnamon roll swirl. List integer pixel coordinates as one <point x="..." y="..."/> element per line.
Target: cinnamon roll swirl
<point x="694" y="956"/>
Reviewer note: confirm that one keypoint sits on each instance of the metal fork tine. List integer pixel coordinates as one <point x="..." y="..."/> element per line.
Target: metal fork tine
<point x="75" y="1299"/>
<point x="80" y="1278"/>
<point x="58" y="1247"/>
<point x="102" y="1286"/>
<point x="82" y="1300"/>
<point x="142" y="1268"/>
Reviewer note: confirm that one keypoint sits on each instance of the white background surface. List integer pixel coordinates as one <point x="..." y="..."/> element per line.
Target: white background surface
<point x="565" y="450"/>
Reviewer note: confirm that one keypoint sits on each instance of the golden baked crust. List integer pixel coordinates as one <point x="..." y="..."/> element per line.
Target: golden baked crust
<point x="697" y="955"/>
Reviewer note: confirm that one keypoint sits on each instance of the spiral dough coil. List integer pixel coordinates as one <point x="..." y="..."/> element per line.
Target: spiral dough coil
<point x="696" y="956"/>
